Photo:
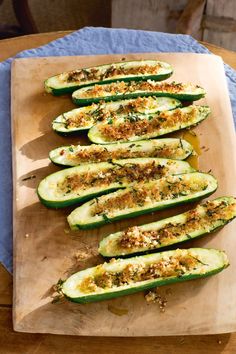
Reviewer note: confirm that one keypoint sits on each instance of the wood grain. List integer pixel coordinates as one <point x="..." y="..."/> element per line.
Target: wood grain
<point x="19" y="343"/>
<point x="153" y="15"/>
<point x="45" y="249"/>
<point x="225" y="10"/>
<point x="191" y="19"/>
<point x="228" y="56"/>
<point x="12" y="46"/>
<point x="219" y="24"/>
<point x="5" y="287"/>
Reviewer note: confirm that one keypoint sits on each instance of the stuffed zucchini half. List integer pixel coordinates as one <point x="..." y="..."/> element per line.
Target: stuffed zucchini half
<point x="146" y="127"/>
<point x="76" y="184"/>
<point x="205" y="218"/>
<point x="121" y="71"/>
<point x="84" y="118"/>
<point x="125" y="90"/>
<point x="73" y="155"/>
<point x="142" y="198"/>
<point x="127" y="276"/>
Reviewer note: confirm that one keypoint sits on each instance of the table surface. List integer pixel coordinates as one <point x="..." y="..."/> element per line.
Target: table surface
<point x="12" y="342"/>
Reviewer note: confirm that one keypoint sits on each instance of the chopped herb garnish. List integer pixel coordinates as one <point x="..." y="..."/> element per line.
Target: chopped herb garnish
<point x="199" y="261"/>
<point x="106" y="218"/>
<point x="132" y="145"/>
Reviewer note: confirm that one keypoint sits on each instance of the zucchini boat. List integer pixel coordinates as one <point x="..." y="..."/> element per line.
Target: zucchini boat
<point x="125" y="90"/>
<point x="142" y="198"/>
<point x="127" y="276"/>
<point x="146" y="127"/>
<point x="77" y="184"/>
<point x="84" y="118"/>
<point x="121" y="71"/>
<point x="205" y="218"/>
<point x="73" y="155"/>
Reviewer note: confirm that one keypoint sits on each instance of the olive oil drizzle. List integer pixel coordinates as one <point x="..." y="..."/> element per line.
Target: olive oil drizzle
<point x="191" y="137"/>
<point x="117" y="311"/>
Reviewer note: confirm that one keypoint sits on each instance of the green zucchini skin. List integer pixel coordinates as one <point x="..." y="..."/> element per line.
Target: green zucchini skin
<point x="110" y="110"/>
<point x="59" y="85"/>
<point x="66" y="155"/>
<point x="109" y="246"/>
<point x="184" y="95"/>
<point x="52" y="196"/>
<point x="88" y="101"/>
<point x="81" y="217"/>
<point x="66" y="203"/>
<point x="211" y="261"/>
<point x="202" y="112"/>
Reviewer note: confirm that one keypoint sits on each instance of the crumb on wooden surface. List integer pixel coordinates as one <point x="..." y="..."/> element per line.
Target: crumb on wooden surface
<point x="154" y="297"/>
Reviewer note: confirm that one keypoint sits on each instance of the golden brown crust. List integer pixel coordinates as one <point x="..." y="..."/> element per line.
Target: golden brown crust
<point x="96" y="74"/>
<point x="167" y="266"/>
<point x="163" y="120"/>
<point x="127" y="173"/>
<point x="100" y="112"/>
<point x="167" y="188"/>
<point x="134" y="237"/>
<point x="100" y="153"/>
<point x="122" y="87"/>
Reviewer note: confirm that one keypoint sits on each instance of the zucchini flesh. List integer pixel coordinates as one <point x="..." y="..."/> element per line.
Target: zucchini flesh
<point x="125" y="90"/>
<point x="120" y="71"/>
<point x="84" y="118"/>
<point x="128" y="276"/>
<point x="197" y="222"/>
<point x="142" y="198"/>
<point x="80" y="183"/>
<point x="73" y="155"/>
<point x="126" y="129"/>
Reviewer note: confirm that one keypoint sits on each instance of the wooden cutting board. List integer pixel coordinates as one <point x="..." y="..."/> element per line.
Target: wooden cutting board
<point x="46" y="250"/>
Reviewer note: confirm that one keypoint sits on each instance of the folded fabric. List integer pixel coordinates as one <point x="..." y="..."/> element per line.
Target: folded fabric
<point x="87" y="41"/>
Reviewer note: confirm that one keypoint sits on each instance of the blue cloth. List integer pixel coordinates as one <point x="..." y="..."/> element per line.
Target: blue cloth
<point x="87" y="41"/>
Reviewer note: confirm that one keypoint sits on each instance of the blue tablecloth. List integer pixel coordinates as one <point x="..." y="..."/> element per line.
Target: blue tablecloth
<point x="86" y="41"/>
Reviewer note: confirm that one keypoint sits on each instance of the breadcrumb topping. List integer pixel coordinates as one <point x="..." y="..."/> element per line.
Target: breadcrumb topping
<point x="121" y="87"/>
<point x="98" y="153"/>
<point x="162" y="121"/>
<point x="167" y="266"/>
<point x="126" y="173"/>
<point x="101" y="111"/>
<point x="167" y="188"/>
<point x="113" y="70"/>
<point x="134" y="237"/>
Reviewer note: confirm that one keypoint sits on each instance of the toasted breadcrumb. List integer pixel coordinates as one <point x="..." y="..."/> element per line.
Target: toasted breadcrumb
<point x="154" y="297"/>
<point x="129" y="87"/>
<point x="134" y="237"/>
<point x="163" y="120"/>
<point x="99" y="74"/>
<point x="127" y="173"/>
<point x="167" y="188"/>
<point x="96" y="153"/>
<point x="167" y="266"/>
